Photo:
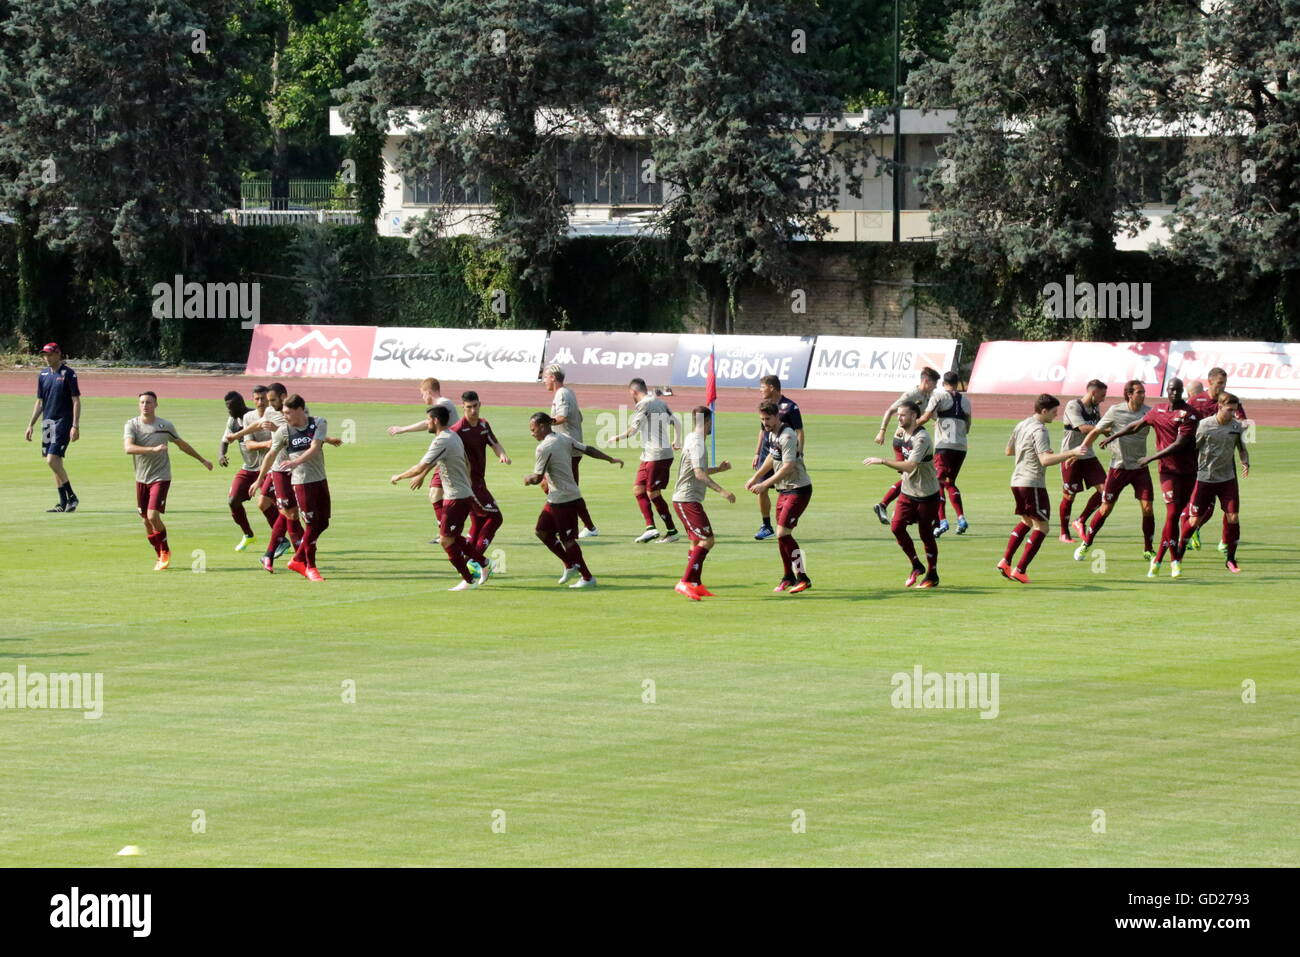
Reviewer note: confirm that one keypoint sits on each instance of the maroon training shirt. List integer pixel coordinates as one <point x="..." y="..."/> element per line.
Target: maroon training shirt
<point x="477" y="440"/>
<point x="1170" y="423"/>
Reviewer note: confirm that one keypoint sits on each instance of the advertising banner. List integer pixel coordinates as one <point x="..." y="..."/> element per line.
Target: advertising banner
<point x="613" y="358"/>
<point x="1064" y="368"/>
<point x="743" y="360"/>
<point x="290" y="352"/>
<point x="876" y="364"/>
<point x="461" y="355"/>
<point x="1256" y="370"/>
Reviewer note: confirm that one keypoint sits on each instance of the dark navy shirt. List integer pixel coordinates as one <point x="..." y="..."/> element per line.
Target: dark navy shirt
<point x="56" y="388"/>
<point x="787" y="411"/>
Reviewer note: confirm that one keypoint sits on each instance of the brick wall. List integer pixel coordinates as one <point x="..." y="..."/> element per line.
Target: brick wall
<point x="836" y="302"/>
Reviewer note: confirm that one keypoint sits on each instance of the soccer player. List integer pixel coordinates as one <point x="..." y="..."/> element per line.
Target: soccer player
<point x="1083" y="471"/>
<point x="1127" y="466"/>
<point x="477" y="436"/>
<point x="658" y="427"/>
<point x="430" y="395"/>
<point x="447" y="453"/>
<point x="302" y="441"/>
<point x="920" y="396"/>
<point x="1175" y="427"/>
<point x="769" y="388"/>
<point x="790" y="479"/>
<point x="58" y="405"/>
<point x="1032" y="447"/>
<point x="952" y="409"/>
<point x="1217" y="438"/>
<point x="252" y="448"/>
<point x="694" y="478"/>
<point x="920" y="498"/>
<point x="146" y="437"/>
<point x="557" y="525"/>
<point x="1206" y="405"/>
<point x="274" y="488"/>
<point x="566" y="418"/>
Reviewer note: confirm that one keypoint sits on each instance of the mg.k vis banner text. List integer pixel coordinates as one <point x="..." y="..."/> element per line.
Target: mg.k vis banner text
<point x="866" y="364"/>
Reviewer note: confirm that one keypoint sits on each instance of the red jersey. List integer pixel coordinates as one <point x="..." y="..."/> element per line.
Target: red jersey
<point x="1206" y="408"/>
<point x="477" y="439"/>
<point x="1172" y="422"/>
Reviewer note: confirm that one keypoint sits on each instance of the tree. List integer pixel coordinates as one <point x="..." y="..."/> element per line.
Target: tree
<point x="119" y="128"/>
<point x="724" y="85"/>
<point x="1228" y="74"/>
<point x="863" y="56"/>
<point x="1030" y="177"/>
<point x="491" y="96"/>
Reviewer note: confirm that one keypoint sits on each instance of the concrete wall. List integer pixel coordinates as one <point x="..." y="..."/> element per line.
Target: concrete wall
<point x="836" y="302"/>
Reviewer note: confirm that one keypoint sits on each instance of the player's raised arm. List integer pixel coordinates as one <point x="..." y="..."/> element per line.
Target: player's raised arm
<point x="421" y="426"/>
<point x="596" y="453"/>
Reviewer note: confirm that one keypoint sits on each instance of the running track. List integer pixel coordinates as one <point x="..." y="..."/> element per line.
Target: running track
<point x="119" y="383"/>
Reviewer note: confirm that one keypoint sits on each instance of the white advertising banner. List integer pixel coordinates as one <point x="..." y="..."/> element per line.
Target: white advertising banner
<point x="461" y="355"/>
<point x="864" y="364"/>
<point x="1256" y="370"/>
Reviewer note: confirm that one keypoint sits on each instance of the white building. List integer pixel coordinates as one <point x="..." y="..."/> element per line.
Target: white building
<point x="612" y="199"/>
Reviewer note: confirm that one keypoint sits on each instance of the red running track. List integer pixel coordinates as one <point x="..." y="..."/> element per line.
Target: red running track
<point x="213" y="385"/>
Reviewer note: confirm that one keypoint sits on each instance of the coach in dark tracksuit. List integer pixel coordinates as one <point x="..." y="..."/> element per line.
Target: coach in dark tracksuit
<point x="58" y="403"/>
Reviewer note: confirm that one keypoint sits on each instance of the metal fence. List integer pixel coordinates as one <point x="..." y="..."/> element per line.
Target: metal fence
<point x="304" y="194"/>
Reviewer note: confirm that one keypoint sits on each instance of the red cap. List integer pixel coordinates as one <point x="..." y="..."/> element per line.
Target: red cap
<point x="51" y="347"/>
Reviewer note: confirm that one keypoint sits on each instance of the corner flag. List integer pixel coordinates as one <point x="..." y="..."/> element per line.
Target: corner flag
<point x="711" y="398"/>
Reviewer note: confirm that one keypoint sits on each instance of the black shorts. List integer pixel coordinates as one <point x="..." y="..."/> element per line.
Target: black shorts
<point x="55" y="436"/>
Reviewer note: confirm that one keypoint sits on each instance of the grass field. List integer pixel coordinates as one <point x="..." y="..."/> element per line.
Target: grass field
<point x="224" y="689"/>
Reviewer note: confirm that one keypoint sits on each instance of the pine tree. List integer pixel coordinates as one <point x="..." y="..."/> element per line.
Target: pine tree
<point x="1030" y="179"/>
<point x="724" y="85"/>
<point x="1230" y="73"/>
<point x="491" y="93"/>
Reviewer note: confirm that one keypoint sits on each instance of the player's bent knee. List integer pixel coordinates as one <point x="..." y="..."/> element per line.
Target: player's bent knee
<point x="1230" y="517"/>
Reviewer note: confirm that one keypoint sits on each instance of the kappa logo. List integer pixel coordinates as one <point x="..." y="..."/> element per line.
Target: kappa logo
<point x="564" y="357"/>
<point x="313" y="363"/>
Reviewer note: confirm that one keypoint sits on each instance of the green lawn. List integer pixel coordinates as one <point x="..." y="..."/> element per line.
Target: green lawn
<point x="223" y="689"/>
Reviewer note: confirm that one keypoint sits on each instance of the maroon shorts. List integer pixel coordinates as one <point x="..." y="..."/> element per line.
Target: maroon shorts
<point x="790" y="505"/>
<point x="1031" y="502"/>
<point x="947" y="464"/>
<point x="435" y="480"/>
<point x="653" y="475"/>
<point x="151" y="496"/>
<point x="241" y="483"/>
<point x="1176" y="487"/>
<point x="279" y="486"/>
<point x="560" y="520"/>
<point x="1204" y="494"/>
<point x="455" y="511"/>
<point x="916" y="511"/>
<point x="1080" y="474"/>
<point x="1119" y="479"/>
<point x="313" y="500"/>
<point x="486" y="504"/>
<point x="694" y="520"/>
